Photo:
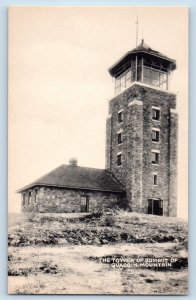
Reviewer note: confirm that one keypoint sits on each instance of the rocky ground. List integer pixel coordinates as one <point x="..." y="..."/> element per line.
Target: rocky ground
<point x="80" y="254"/>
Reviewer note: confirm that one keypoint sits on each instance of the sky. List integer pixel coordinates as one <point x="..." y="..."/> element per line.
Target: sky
<point x="59" y="86"/>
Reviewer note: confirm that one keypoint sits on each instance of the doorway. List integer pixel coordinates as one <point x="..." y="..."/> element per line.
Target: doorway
<point x="155" y="207"/>
<point x="84" y="205"/>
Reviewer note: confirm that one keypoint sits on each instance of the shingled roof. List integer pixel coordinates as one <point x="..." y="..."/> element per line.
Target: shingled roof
<point x="77" y="177"/>
<point x="142" y="49"/>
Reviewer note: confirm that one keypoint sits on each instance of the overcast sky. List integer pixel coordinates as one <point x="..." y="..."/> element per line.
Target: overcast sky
<point x="59" y="86"/>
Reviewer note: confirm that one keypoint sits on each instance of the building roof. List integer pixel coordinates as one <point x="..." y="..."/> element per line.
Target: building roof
<point x="70" y="176"/>
<point x="142" y="49"/>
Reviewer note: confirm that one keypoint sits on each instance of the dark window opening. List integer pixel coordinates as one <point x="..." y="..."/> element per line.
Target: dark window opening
<point x="155" y="158"/>
<point x="155" y="114"/>
<point x="155" y="135"/>
<point x="120" y="138"/>
<point x="120" y="117"/>
<point x="155" y="179"/>
<point x="119" y="159"/>
<point x="155" y="207"/>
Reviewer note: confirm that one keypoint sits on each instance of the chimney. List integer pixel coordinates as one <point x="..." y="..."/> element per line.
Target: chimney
<point x="73" y="162"/>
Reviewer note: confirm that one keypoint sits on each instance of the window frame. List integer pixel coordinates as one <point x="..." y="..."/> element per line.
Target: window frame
<point x="84" y="199"/>
<point x="119" y="137"/>
<point x="157" y="157"/>
<point x="155" y="179"/>
<point x="84" y="202"/>
<point x="157" y="109"/>
<point x="157" y="135"/>
<point x="123" y="81"/>
<point x="120" y="116"/>
<point x="119" y="159"/>
<point x="149" y="77"/>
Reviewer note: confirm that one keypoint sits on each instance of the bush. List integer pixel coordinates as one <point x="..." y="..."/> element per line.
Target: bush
<point x="48" y="267"/>
<point x="109" y="220"/>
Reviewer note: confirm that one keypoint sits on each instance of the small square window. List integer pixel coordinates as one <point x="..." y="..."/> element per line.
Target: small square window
<point x="119" y="159"/>
<point x="120" y="117"/>
<point x="155" y="158"/>
<point x="155" y="135"/>
<point x="156" y="114"/>
<point x="120" y="138"/>
<point x="155" y="179"/>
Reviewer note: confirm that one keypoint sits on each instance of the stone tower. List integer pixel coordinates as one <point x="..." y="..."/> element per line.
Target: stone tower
<point x="141" y="137"/>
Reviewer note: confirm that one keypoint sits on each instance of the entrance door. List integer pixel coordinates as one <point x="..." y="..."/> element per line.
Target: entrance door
<point x="155" y="207"/>
<point x="84" y="204"/>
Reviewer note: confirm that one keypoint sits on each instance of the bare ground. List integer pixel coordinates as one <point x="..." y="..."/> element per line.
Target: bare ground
<point x="77" y="268"/>
<point x="76" y="274"/>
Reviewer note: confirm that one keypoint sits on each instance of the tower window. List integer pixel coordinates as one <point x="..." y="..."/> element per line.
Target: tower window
<point x="120" y="138"/>
<point x="155" y="179"/>
<point x="117" y="85"/>
<point x="155" y="135"/>
<point x="155" y="77"/>
<point x="119" y="159"/>
<point x="156" y="114"/>
<point x="120" y="116"/>
<point x="123" y="81"/>
<point x="155" y="157"/>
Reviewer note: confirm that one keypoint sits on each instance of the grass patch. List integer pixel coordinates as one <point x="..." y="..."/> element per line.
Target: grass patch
<point x="93" y="229"/>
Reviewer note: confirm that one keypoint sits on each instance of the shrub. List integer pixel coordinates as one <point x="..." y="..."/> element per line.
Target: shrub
<point x="109" y="220"/>
<point x="48" y="267"/>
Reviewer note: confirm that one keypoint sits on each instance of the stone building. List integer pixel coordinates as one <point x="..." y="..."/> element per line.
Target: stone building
<point x="141" y="148"/>
<point x="70" y="188"/>
<point x="142" y="127"/>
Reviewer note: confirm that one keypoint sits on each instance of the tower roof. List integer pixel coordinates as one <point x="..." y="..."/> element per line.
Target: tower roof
<point x="145" y="51"/>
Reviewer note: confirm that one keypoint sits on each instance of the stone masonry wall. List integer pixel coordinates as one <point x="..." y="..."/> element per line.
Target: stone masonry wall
<point x="135" y="157"/>
<point x="51" y="199"/>
<point x="108" y="142"/>
<point x="164" y="101"/>
<point x="173" y="163"/>
<point x="136" y="171"/>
